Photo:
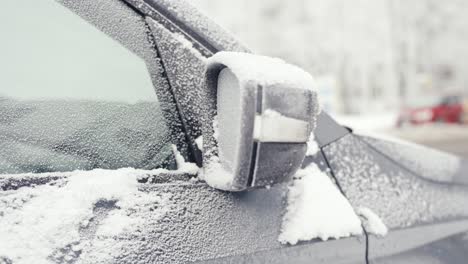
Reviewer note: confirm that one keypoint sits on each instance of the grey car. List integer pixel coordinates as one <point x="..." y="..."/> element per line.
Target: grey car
<point x="169" y="214"/>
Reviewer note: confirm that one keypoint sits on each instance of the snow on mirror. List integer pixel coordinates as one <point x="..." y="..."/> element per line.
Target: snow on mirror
<point x="266" y="111"/>
<point x="71" y="98"/>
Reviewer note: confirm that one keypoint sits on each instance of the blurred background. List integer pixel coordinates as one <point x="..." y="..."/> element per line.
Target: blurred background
<point x="388" y="66"/>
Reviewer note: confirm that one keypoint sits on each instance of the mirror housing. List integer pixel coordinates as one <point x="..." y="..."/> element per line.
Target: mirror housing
<point x="264" y="112"/>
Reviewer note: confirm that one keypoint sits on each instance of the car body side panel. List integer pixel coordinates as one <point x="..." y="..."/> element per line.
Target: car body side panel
<point x="197" y="224"/>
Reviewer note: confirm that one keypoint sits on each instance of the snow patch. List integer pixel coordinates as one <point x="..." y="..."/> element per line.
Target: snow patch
<point x="317" y="209"/>
<point x="216" y="176"/>
<point x="372" y="222"/>
<point x="187" y="167"/>
<point x="312" y="146"/>
<point x="270" y="113"/>
<point x="116" y="223"/>
<point x="272" y="126"/>
<point x="52" y="217"/>
<point x="199" y="142"/>
<point x="264" y="70"/>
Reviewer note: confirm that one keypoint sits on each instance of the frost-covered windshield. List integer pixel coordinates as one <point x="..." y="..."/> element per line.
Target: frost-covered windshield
<point x="71" y="98"/>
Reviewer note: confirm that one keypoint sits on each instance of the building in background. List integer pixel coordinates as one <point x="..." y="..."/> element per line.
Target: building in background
<point x="367" y="55"/>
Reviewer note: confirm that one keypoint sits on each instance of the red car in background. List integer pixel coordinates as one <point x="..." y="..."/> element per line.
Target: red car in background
<point x="451" y="109"/>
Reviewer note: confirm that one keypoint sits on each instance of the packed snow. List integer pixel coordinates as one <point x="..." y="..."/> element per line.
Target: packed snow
<point x="264" y="70"/>
<point x="272" y="126"/>
<point x="50" y="217"/>
<point x="187" y="167"/>
<point x="312" y="145"/>
<point x="372" y="222"/>
<point x="199" y="142"/>
<point x="317" y="209"/>
<point x="216" y="175"/>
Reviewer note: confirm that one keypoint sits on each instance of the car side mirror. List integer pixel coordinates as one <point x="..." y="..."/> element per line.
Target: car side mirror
<point x="262" y="113"/>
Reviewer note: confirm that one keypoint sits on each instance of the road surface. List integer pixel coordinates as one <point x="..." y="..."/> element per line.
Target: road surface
<point x="449" y="138"/>
<point x="455" y="146"/>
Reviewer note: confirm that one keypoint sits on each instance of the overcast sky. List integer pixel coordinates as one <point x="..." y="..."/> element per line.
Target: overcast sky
<point x="46" y="51"/>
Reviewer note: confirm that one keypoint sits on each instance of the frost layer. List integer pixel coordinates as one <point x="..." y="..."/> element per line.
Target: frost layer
<point x="317" y="209"/>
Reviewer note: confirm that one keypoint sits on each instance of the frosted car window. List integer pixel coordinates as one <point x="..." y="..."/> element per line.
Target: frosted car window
<point x="71" y="97"/>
